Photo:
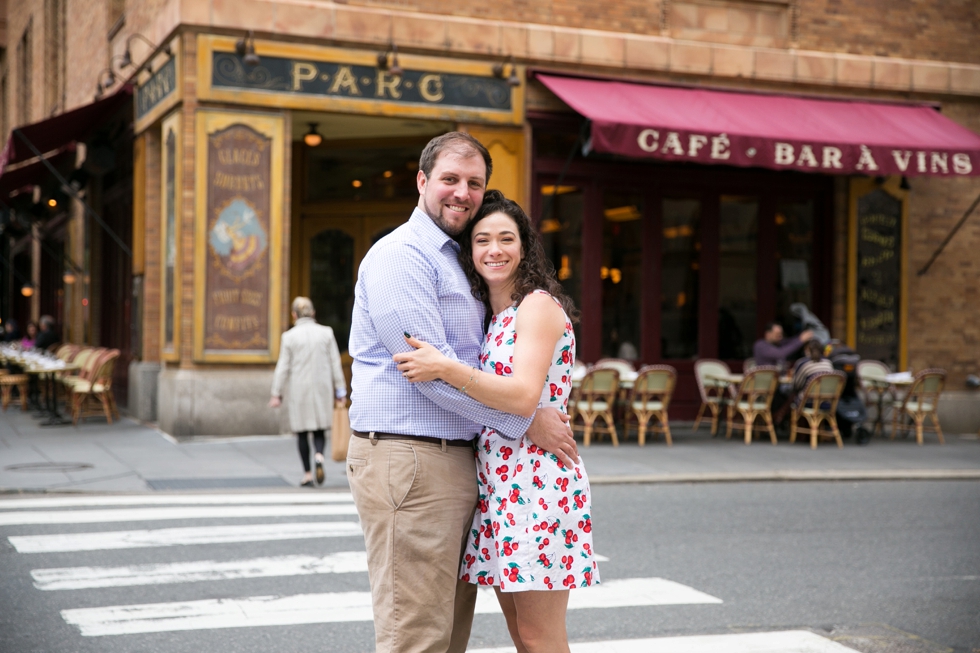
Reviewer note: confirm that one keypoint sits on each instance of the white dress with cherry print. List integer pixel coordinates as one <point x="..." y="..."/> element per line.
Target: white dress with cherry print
<point x="533" y="526"/>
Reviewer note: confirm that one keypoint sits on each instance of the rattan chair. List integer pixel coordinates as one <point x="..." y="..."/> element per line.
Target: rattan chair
<point x="650" y="398"/>
<point x="7" y="384"/>
<point x="595" y="398"/>
<point x="714" y="394"/>
<point x="874" y="389"/>
<point x="99" y="386"/>
<point x="818" y="404"/>
<point x="621" y="365"/>
<point x="921" y="401"/>
<point x="753" y="400"/>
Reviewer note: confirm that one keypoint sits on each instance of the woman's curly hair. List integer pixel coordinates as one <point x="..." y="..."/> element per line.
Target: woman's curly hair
<point x="534" y="272"/>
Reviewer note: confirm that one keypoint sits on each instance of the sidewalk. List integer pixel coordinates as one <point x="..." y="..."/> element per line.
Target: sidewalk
<point x="130" y="457"/>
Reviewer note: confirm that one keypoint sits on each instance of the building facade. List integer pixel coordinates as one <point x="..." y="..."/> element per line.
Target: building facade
<point x="270" y="144"/>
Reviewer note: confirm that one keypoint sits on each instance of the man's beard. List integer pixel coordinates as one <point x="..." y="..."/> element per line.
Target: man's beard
<point x="450" y="229"/>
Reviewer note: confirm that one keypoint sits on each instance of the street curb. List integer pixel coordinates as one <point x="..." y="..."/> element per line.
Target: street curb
<point x="795" y="475"/>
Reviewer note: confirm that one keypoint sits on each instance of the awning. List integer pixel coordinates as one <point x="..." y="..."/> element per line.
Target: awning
<point x="770" y="131"/>
<point x="56" y="134"/>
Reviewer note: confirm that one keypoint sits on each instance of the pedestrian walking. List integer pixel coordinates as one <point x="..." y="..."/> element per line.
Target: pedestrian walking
<point x="310" y="379"/>
<point x="410" y="462"/>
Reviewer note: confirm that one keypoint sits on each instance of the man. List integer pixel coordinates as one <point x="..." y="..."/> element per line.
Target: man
<point x="772" y="350"/>
<point x="47" y="336"/>
<point x="410" y="464"/>
<point x="310" y="363"/>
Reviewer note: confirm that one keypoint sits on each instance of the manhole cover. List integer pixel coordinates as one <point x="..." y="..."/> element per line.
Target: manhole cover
<point x="47" y="467"/>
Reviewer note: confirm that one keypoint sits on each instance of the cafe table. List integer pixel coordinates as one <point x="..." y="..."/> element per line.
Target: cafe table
<point x="46" y="368"/>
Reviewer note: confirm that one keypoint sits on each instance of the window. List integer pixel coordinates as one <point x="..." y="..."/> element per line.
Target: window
<point x="25" y="63"/>
<point x="680" y="283"/>
<point x="621" y="273"/>
<point x="738" y="227"/>
<point x="54" y="56"/>
<point x="561" y="235"/>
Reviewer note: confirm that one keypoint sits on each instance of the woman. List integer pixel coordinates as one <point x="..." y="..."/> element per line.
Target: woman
<point x="532" y="535"/>
<point x="310" y="362"/>
<point x="27" y="342"/>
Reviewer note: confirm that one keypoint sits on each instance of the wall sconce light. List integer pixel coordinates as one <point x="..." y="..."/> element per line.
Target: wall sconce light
<point x="312" y="138"/>
<point x="565" y="271"/>
<point x="110" y="79"/>
<point x="68" y="277"/>
<point x="393" y="68"/>
<point x="245" y="48"/>
<point x="27" y="290"/>
<point x="499" y="68"/>
<point x="127" y="57"/>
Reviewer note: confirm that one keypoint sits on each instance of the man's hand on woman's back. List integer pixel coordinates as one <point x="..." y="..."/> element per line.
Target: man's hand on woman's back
<point x="550" y="431"/>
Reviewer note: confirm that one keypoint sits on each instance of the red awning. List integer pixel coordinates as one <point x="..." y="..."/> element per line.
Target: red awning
<point x="769" y="131"/>
<point x="54" y="134"/>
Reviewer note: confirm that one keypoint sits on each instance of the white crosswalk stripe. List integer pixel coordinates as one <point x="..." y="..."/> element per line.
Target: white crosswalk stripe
<point x="68" y="542"/>
<point x="345" y="606"/>
<point x="203" y="574"/>
<point x="793" y="641"/>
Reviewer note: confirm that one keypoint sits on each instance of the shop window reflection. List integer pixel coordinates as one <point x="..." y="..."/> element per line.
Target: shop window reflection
<point x="737" y="283"/>
<point x="561" y="235"/>
<point x="794" y="256"/>
<point x="680" y="278"/>
<point x="622" y="254"/>
<point x="332" y="281"/>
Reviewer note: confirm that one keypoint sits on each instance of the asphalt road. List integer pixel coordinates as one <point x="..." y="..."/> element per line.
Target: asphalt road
<point x="827" y="557"/>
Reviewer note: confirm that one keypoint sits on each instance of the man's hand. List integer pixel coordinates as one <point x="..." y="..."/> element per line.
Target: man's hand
<point x="550" y="431"/>
<point x="806" y="336"/>
<point x="275" y="402"/>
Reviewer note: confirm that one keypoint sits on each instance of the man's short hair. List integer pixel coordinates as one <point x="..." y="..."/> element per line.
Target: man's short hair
<point x="449" y="141"/>
<point x="303" y="307"/>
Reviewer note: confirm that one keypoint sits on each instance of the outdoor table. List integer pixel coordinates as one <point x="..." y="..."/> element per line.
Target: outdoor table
<point x="54" y="417"/>
<point x="894" y="381"/>
<point x="43" y="367"/>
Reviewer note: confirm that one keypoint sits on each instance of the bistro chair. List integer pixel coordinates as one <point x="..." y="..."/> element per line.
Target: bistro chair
<point x="650" y="398"/>
<point x="595" y="398"/>
<point x="753" y="400"/>
<point x="88" y="361"/>
<point x="921" y="401"/>
<point x="818" y="404"/>
<point x="748" y="364"/>
<point x="714" y="392"/>
<point x="875" y="389"/>
<point x="99" y="387"/>
<point x="621" y="365"/>
<point x="7" y="384"/>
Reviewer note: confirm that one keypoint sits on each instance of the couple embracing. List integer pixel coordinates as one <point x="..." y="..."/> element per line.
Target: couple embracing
<point x="434" y="387"/>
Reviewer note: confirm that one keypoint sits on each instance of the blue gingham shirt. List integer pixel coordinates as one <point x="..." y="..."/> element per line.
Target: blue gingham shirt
<point x="410" y="281"/>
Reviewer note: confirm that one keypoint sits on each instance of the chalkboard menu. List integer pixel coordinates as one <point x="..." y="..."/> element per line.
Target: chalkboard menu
<point x="879" y="276"/>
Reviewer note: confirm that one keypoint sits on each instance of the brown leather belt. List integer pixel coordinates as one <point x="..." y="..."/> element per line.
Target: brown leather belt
<point x="378" y="435"/>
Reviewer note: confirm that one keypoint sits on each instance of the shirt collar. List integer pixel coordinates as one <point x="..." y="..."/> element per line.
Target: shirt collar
<point x="430" y="231"/>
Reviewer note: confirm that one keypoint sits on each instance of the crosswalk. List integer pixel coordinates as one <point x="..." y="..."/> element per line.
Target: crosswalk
<point x="186" y="557"/>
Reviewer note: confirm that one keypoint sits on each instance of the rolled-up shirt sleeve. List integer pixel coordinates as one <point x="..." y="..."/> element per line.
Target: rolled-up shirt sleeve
<point x="402" y="291"/>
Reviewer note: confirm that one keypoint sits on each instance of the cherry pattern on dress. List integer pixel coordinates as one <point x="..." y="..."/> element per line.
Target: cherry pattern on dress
<point x="533" y="526"/>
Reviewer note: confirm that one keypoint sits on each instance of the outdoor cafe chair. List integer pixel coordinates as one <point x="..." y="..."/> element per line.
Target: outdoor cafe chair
<point x="753" y="400"/>
<point x="748" y="364"/>
<point x="818" y="404"/>
<point x="98" y="387"/>
<point x="621" y="365"/>
<point x="649" y="399"/>
<point x="7" y="383"/>
<point x="874" y="388"/>
<point x="595" y="398"/>
<point x="921" y="401"/>
<point x="714" y="392"/>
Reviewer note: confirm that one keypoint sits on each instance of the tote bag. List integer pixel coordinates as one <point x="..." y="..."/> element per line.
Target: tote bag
<point x="339" y="435"/>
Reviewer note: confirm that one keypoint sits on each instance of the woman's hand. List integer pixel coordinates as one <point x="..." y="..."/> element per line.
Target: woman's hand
<point x="426" y="363"/>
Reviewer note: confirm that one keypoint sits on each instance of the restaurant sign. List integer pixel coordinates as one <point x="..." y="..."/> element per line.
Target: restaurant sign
<point x="156" y="89"/>
<point x="333" y="79"/>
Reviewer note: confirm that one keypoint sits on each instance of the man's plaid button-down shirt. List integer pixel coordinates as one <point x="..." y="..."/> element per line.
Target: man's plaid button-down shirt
<point x="411" y="282"/>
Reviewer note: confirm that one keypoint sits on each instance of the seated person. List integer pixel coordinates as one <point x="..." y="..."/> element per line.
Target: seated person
<point x="805" y="368"/>
<point x="27" y="342"/>
<point x="771" y="349"/>
<point x="48" y="334"/>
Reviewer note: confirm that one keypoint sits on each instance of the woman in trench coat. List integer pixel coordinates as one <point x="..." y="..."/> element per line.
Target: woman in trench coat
<point x="310" y="381"/>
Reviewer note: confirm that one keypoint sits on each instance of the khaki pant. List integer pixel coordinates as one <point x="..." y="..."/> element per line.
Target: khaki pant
<point x="416" y="503"/>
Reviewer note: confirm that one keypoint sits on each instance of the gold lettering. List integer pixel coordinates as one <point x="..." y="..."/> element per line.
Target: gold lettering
<point x="236" y="323"/>
<point x="872" y="261"/>
<point x="252" y="298"/>
<point x="388" y="82"/>
<point x="879" y="299"/>
<point x="877" y="321"/>
<point x="430" y="88"/>
<point x="869" y="235"/>
<point x="223" y="297"/>
<point x="302" y="72"/>
<point x="238" y="156"/>
<point x="238" y="182"/>
<point x="879" y="219"/>
<point x="345" y="79"/>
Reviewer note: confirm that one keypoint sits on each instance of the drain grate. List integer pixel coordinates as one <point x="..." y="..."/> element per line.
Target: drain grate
<point x="47" y="468"/>
<point x="215" y="483"/>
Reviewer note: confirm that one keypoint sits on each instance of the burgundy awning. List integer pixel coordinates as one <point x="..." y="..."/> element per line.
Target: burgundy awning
<point x="769" y="131"/>
<point x="55" y="134"/>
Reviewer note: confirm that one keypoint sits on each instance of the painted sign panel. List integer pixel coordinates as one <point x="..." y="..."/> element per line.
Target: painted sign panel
<point x="879" y="276"/>
<point x="170" y="226"/>
<point x="238" y="239"/>
<point x="161" y="85"/>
